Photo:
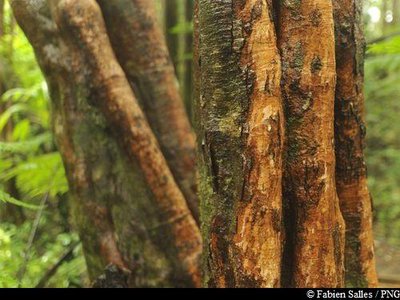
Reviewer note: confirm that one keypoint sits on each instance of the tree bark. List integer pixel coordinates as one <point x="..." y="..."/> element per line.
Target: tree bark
<point x="316" y="235"/>
<point x="128" y="208"/>
<point x="143" y="54"/>
<point x="240" y="143"/>
<point x="351" y="173"/>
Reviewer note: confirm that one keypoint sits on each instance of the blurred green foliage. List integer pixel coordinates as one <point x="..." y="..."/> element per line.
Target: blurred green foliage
<point x="382" y="89"/>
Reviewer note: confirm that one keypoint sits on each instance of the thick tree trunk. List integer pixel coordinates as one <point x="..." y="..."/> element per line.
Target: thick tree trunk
<point x="129" y="210"/>
<point x="240" y="140"/>
<point x="316" y="236"/>
<point x="351" y="174"/>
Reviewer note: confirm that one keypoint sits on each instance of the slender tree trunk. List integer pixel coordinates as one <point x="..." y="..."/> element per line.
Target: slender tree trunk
<point x="1" y="18"/>
<point x="351" y="174"/>
<point x="316" y="237"/>
<point x="240" y="143"/>
<point x="143" y="54"/>
<point x="176" y="13"/>
<point x="384" y="9"/>
<point x="396" y="13"/>
<point x="129" y="210"/>
<point x="189" y="79"/>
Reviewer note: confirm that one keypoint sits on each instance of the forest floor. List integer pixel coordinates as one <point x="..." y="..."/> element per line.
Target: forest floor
<point x="388" y="264"/>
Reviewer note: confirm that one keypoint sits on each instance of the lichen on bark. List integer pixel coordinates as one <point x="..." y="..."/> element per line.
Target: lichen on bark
<point x="240" y="132"/>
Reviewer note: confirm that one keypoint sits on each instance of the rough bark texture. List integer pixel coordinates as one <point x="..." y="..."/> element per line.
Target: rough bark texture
<point x="143" y="54"/>
<point x="316" y="236"/>
<point x="351" y="174"/>
<point x="128" y="208"/>
<point x="240" y="140"/>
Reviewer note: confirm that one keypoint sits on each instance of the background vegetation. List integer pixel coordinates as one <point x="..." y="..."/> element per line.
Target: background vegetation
<point x="38" y="244"/>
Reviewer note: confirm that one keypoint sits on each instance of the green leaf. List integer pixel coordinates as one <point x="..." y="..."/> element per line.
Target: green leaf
<point x="25" y="147"/>
<point x="7" y="198"/>
<point x="5" y="116"/>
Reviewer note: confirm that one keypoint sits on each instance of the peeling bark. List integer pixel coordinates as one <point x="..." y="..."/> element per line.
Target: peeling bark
<point x="143" y="54"/>
<point x="316" y="237"/>
<point x="351" y="173"/>
<point x="134" y="222"/>
<point x="240" y="132"/>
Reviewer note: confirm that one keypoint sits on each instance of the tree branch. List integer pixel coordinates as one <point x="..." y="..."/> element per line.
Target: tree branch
<point x="68" y="255"/>
<point x="383" y="38"/>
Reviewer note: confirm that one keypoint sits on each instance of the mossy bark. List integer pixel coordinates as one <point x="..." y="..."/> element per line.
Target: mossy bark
<point x="315" y="238"/>
<point x="351" y="173"/>
<point x="240" y="132"/>
<point x="125" y="216"/>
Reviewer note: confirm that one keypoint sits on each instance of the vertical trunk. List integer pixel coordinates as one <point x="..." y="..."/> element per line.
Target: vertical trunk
<point x="188" y="79"/>
<point x="384" y="9"/>
<point x="306" y="40"/>
<point x="143" y="55"/>
<point x="1" y="18"/>
<point x="351" y="174"/>
<point x="396" y="13"/>
<point x="176" y="14"/>
<point x="171" y="19"/>
<point x="240" y="141"/>
<point x="181" y="47"/>
<point x="128" y="208"/>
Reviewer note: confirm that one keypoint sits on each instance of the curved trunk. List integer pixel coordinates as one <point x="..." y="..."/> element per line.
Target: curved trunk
<point x="240" y="132"/>
<point x="308" y="85"/>
<point x="128" y="208"/>
<point x="142" y="52"/>
<point x="351" y="173"/>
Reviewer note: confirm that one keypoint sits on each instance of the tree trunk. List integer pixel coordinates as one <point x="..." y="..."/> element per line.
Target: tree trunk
<point x="143" y="54"/>
<point x="396" y="13"/>
<point x="351" y="173"/>
<point x="240" y="142"/>
<point x="316" y="235"/>
<point x="384" y="9"/>
<point x="177" y="13"/>
<point x="1" y="18"/>
<point x="129" y="210"/>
